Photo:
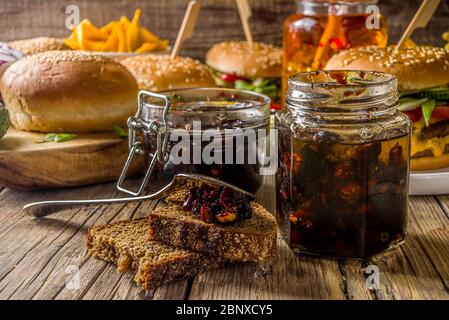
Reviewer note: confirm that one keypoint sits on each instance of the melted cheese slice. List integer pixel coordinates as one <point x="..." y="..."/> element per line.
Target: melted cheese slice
<point x="436" y="145"/>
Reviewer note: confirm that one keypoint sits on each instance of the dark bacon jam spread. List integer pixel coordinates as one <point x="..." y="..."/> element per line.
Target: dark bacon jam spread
<point x="346" y="200"/>
<point x="217" y="205"/>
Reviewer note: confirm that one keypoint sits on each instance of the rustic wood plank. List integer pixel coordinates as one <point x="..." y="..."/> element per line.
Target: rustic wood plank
<point x="419" y="270"/>
<point x="35" y="267"/>
<point x="286" y="277"/>
<point x="408" y="272"/>
<point x="31" y="258"/>
<point x="16" y="228"/>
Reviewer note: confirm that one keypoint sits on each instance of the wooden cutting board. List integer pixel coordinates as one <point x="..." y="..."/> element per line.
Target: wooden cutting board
<point x="87" y="159"/>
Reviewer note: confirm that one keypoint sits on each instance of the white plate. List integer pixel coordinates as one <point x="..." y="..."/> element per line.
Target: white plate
<point x="427" y="183"/>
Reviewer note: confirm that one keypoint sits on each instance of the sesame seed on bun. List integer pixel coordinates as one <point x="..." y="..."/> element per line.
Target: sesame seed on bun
<point x="159" y="72"/>
<point x="236" y="57"/>
<point x="38" y="45"/>
<point x="416" y="68"/>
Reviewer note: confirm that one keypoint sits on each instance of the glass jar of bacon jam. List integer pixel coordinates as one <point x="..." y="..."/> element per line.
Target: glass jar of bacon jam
<point x="215" y="132"/>
<point x="344" y="150"/>
<point x="321" y="28"/>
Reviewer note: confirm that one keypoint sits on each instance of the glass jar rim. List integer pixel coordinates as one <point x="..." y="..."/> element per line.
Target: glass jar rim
<point x="338" y="2"/>
<point x="378" y="79"/>
<point x="257" y="100"/>
<point x="345" y="91"/>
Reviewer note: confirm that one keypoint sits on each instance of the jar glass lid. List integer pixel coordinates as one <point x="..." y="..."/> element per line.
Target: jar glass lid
<point x="337" y="89"/>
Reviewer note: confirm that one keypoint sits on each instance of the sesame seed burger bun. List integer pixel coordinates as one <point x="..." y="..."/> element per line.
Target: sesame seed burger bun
<point x="160" y="73"/>
<point x="68" y="91"/>
<point x="236" y="57"/>
<point x="416" y="68"/>
<point x="38" y="45"/>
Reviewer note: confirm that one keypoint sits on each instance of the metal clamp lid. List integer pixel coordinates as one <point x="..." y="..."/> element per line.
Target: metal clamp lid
<point x="160" y="127"/>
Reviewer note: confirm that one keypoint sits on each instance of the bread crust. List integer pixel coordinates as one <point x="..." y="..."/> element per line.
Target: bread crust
<point x="126" y="244"/>
<point x="171" y="226"/>
<point x="67" y="91"/>
<point x="236" y="57"/>
<point x="160" y="73"/>
<point x="416" y="68"/>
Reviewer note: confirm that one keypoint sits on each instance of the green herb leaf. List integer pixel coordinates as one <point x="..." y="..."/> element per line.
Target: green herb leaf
<point x="63" y="137"/>
<point x="50" y="137"/>
<point x="57" y="137"/>
<point x="120" y="132"/>
<point x="427" y="109"/>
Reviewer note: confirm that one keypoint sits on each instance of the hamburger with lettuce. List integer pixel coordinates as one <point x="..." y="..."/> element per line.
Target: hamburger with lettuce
<point x="423" y="83"/>
<point x="236" y="65"/>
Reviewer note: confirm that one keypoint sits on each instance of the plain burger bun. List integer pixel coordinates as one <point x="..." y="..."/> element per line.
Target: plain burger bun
<point x="232" y="57"/>
<point x="160" y="73"/>
<point x="38" y="45"/>
<point x="416" y="68"/>
<point x="68" y="91"/>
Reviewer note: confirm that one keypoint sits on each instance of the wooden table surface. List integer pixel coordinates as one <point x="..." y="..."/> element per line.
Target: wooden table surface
<point x="38" y="257"/>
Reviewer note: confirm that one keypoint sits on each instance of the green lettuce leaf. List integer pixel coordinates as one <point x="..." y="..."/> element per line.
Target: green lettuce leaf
<point x="427" y="109"/>
<point x="408" y="104"/>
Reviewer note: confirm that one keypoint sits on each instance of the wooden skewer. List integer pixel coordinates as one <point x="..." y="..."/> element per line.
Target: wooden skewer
<point x="245" y="14"/>
<point x="420" y="20"/>
<point x="187" y="27"/>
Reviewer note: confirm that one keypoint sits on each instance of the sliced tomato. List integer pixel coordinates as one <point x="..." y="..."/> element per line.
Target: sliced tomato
<point x="276" y="106"/>
<point x="441" y="112"/>
<point x="414" y="115"/>
<point x="231" y="78"/>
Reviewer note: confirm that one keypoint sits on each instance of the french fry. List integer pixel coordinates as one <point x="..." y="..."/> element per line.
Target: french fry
<point x="112" y="43"/>
<point x="117" y="36"/>
<point x="91" y="45"/>
<point x="109" y="28"/>
<point x="446" y="36"/>
<point x="132" y="33"/>
<point x="163" y="44"/>
<point x="147" y="36"/>
<point x="147" y="47"/>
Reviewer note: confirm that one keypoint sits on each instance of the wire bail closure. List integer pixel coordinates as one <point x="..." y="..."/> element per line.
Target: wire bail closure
<point x="136" y="124"/>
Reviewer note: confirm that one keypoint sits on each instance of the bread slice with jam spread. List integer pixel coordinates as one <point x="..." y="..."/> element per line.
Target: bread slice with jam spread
<point x="248" y="239"/>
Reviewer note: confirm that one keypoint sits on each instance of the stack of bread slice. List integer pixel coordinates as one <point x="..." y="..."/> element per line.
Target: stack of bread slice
<point x="171" y="244"/>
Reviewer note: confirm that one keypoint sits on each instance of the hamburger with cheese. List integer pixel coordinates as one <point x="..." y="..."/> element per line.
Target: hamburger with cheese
<point x="160" y="73"/>
<point x="236" y="65"/>
<point x="423" y="83"/>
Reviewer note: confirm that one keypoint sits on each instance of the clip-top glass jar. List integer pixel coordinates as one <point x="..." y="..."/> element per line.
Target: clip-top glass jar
<point x="344" y="152"/>
<point x="321" y="28"/>
<point x="209" y="131"/>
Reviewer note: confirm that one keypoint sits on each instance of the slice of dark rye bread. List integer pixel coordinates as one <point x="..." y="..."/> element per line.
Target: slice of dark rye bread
<point x="126" y="244"/>
<point x="246" y="240"/>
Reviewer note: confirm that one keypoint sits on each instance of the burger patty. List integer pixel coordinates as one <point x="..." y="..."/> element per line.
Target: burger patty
<point x="437" y="130"/>
<point x="428" y="153"/>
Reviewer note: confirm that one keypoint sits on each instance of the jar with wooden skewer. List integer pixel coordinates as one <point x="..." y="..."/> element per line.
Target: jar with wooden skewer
<point x="321" y="28"/>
